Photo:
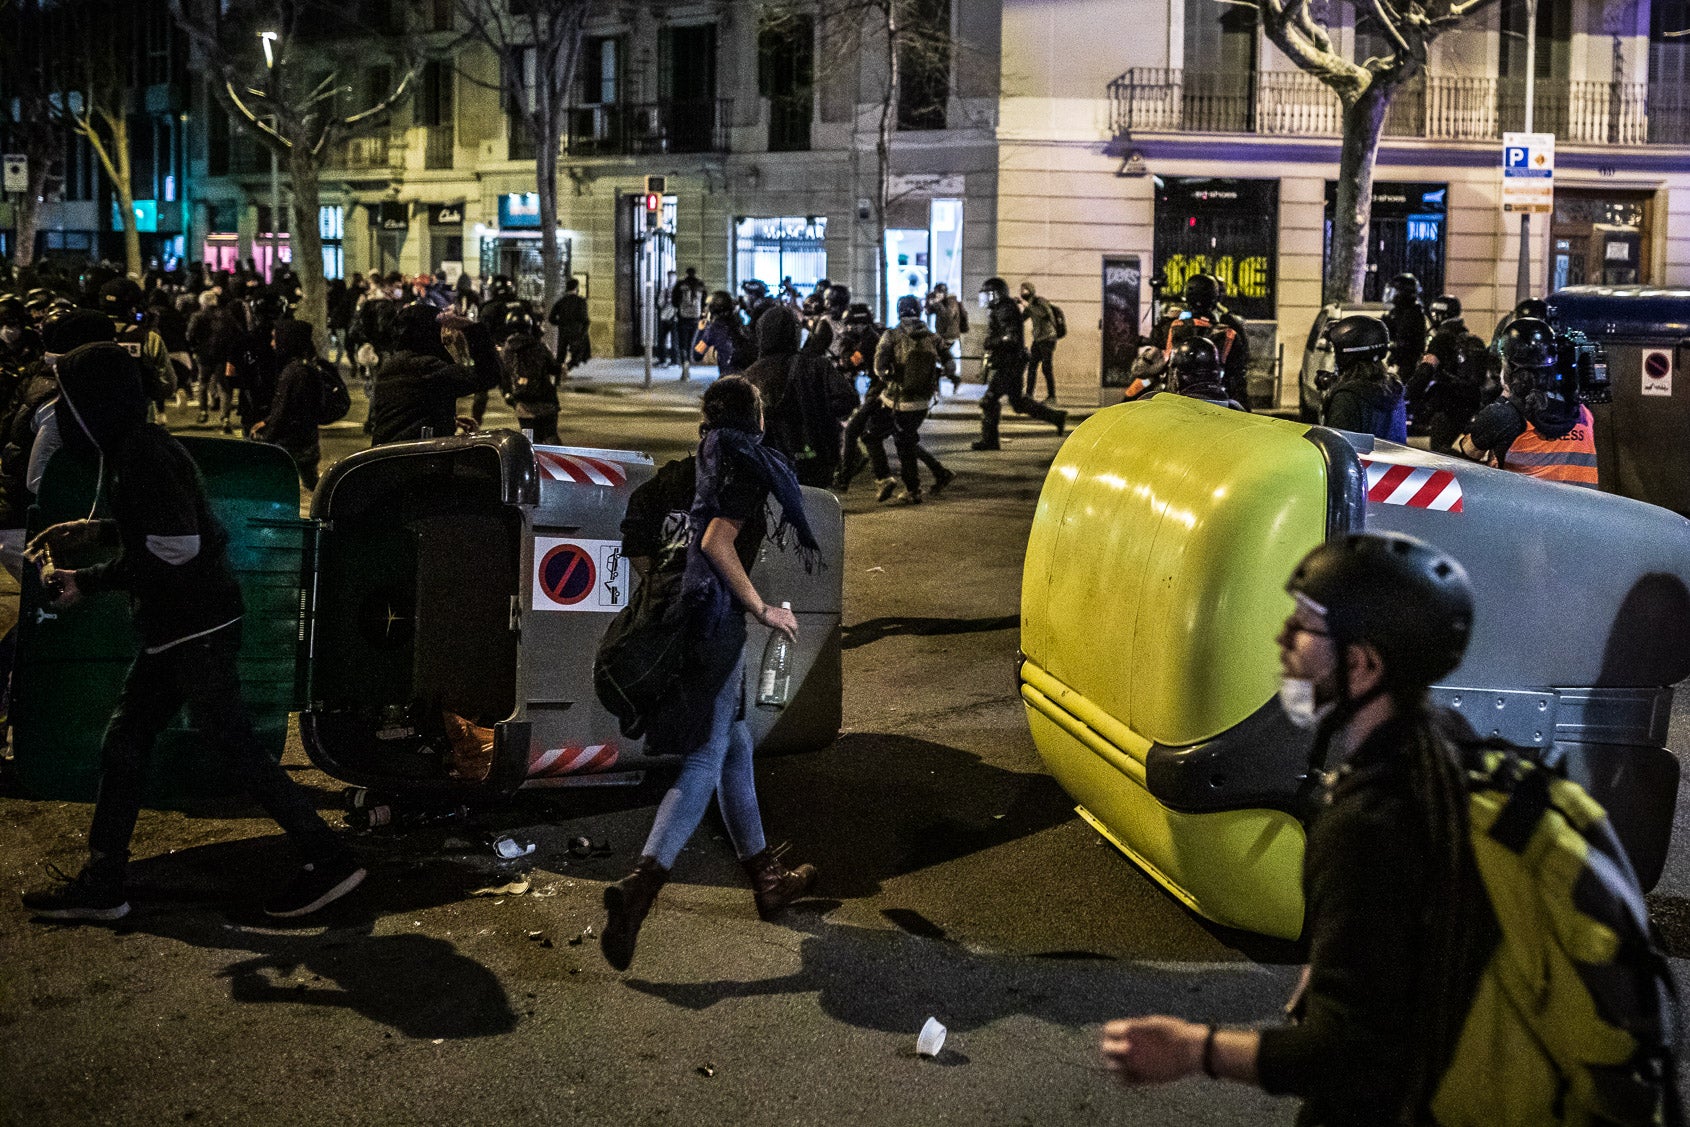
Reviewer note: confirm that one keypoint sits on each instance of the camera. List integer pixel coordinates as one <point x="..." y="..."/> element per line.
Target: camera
<point x="1583" y="364"/>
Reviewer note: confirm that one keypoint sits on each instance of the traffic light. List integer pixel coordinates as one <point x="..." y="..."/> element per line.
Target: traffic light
<point x="654" y="188"/>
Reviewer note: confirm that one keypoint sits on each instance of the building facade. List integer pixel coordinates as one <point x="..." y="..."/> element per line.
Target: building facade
<point x="1193" y="144"/>
<point x="764" y="130"/>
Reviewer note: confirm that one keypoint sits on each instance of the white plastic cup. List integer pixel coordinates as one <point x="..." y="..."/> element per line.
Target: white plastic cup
<point x="931" y="1038"/>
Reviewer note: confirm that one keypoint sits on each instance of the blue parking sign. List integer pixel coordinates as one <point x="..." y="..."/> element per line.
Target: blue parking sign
<point x="1514" y="156"/>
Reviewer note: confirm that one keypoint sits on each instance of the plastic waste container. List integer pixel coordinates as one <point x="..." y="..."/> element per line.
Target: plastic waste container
<point x="1154" y="588"/>
<point x="470" y="577"/>
<point x="1643" y="436"/>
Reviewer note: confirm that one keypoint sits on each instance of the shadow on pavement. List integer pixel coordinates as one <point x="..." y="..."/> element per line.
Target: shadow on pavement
<point x="897" y="804"/>
<point x="874" y="629"/>
<point x="891" y="982"/>
<point x="418" y="985"/>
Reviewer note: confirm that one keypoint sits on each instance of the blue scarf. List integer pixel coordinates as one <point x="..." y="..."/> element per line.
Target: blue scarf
<point x="703" y="590"/>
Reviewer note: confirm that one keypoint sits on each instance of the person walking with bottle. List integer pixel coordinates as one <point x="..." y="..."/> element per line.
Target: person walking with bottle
<point x="733" y="476"/>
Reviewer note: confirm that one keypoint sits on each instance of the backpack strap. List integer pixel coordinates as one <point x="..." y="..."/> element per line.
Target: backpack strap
<point x="1528" y="801"/>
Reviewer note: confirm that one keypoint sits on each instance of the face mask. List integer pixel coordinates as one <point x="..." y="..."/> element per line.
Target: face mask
<point x="11" y="334"/>
<point x="1297" y="698"/>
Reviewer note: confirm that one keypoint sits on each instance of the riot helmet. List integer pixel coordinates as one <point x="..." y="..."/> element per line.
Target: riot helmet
<point x="1406" y="598"/>
<point x="1358" y="337"/>
<point x="1528" y="344"/>
<point x="992" y="291"/>
<point x="1534" y="308"/>
<point x="1201" y="292"/>
<point x="1195" y="360"/>
<point x="502" y="288"/>
<point x="12" y="311"/>
<point x="1404" y="289"/>
<point x="858" y="314"/>
<point x="268" y="305"/>
<point x="754" y="289"/>
<point x="909" y="306"/>
<point x="120" y="299"/>
<point x="1444" y="307"/>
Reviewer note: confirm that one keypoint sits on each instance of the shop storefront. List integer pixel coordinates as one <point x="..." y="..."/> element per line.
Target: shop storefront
<point x="513" y="248"/>
<point x="331" y="227"/>
<point x="446" y="238"/>
<point x="1221" y="226"/>
<point x="774" y="248"/>
<point x="918" y="258"/>
<point x="1600" y="237"/>
<point x="1406" y="235"/>
<point x="390" y="222"/>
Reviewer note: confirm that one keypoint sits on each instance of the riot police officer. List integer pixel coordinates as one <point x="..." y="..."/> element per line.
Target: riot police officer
<point x="120" y="299"/>
<point x="1366" y="398"/>
<point x="1203" y="316"/>
<point x="1194" y="371"/>
<point x="1449" y="381"/>
<point x="1539" y="426"/>
<point x="1406" y="320"/>
<point x="1006" y="362"/>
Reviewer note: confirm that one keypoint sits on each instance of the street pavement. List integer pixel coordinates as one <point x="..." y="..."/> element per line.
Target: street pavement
<point x="956" y="882"/>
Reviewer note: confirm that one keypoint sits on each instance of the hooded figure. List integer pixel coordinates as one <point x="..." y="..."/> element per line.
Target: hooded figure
<point x="297" y="403"/>
<point x="418" y="386"/>
<point x="777" y="334"/>
<point x="172" y="564"/>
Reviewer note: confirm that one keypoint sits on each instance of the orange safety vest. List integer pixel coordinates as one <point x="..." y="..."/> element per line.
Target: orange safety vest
<point x="1570" y="459"/>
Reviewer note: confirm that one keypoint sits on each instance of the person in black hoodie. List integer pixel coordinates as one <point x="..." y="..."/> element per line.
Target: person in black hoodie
<point x="173" y="564"/>
<point x="439" y="359"/>
<point x="292" y="422"/>
<point x="776" y="333"/>
<point x="530" y="376"/>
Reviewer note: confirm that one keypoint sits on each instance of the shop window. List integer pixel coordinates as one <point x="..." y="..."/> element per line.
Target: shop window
<point x="773" y="249"/>
<point x="1225" y="227"/>
<point x="1406" y="235"/>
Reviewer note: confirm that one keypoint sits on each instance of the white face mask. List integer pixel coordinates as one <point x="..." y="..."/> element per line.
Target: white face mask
<point x="1297" y="698"/>
<point x="10" y="334"/>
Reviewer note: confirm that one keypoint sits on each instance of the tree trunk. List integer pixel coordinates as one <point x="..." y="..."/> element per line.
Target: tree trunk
<point x="1352" y="212"/>
<point x="126" y="193"/>
<point x="306" y="241"/>
<point x="29" y="207"/>
<point x="545" y="187"/>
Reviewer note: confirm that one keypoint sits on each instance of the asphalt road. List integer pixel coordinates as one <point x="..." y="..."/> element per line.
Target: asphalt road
<point x="957" y="882"/>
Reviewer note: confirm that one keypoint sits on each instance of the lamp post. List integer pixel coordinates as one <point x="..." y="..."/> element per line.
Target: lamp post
<point x="268" y="38"/>
<point x="1523" y="273"/>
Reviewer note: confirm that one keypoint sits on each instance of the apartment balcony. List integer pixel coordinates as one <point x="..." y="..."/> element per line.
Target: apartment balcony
<point x="637" y="129"/>
<point x="438" y="147"/>
<point x="366" y="154"/>
<point x="1435" y="107"/>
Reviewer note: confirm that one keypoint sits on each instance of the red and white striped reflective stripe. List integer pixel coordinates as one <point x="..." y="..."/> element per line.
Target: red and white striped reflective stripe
<point x="1418" y="487"/>
<point x="578" y="468"/>
<point x="572" y="761"/>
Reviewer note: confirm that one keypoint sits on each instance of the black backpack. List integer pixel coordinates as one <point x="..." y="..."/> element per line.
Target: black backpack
<point x="1060" y="321"/>
<point x="334" y="401"/>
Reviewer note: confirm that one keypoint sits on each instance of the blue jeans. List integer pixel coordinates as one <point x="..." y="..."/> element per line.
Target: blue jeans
<point x="721" y="766"/>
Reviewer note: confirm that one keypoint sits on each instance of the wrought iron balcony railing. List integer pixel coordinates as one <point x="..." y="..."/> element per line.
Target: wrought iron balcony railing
<point x="1438" y="107"/>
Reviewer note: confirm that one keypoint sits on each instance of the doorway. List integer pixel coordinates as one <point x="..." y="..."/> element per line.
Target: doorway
<point x="1600" y="238"/>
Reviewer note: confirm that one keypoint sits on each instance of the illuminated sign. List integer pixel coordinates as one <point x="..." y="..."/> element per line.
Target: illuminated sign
<point x="146" y="216"/>
<point x="1221" y="226"/>
<point x="519" y="209"/>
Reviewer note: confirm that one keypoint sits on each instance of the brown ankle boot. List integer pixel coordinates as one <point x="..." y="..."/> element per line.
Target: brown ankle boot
<point x="627" y="902"/>
<point x="773" y="884"/>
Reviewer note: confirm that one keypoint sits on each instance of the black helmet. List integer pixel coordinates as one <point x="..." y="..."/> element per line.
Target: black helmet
<point x="721" y="303"/>
<point x="72" y="328"/>
<point x="1444" y="307"/>
<point x="858" y="314"/>
<point x="1403" y="596"/>
<point x="269" y="305"/>
<point x="754" y="289"/>
<point x="1405" y="287"/>
<point x="38" y="301"/>
<point x="1528" y="342"/>
<point x="1194" y="360"/>
<point x="909" y="306"/>
<point x="120" y="299"/>
<point x="1533" y="307"/>
<point x="12" y="311"/>
<point x="502" y="289"/>
<point x="1201" y="291"/>
<point x="1358" y="337"/>
<point x="996" y="289"/>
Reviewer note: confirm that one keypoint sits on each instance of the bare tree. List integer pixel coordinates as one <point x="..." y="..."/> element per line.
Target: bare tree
<point x="538" y="47"/>
<point x="34" y="129"/>
<point x="97" y="40"/>
<point x="297" y="75"/>
<point x="1364" y="91"/>
<point x="911" y="52"/>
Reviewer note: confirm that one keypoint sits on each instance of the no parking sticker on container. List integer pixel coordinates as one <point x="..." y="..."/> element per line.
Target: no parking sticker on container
<point x="1657" y="371"/>
<point x="588" y="575"/>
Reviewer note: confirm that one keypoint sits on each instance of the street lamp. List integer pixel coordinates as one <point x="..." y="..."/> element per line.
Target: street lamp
<point x="268" y="39"/>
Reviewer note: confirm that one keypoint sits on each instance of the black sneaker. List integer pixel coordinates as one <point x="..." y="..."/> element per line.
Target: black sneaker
<point x="1061" y="423"/>
<point x="941" y="479"/>
<point x="983" y="444"/>
<point x="888" y="486"/>
<point x="84" y="898"/>
<point x="315" y="886"/>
